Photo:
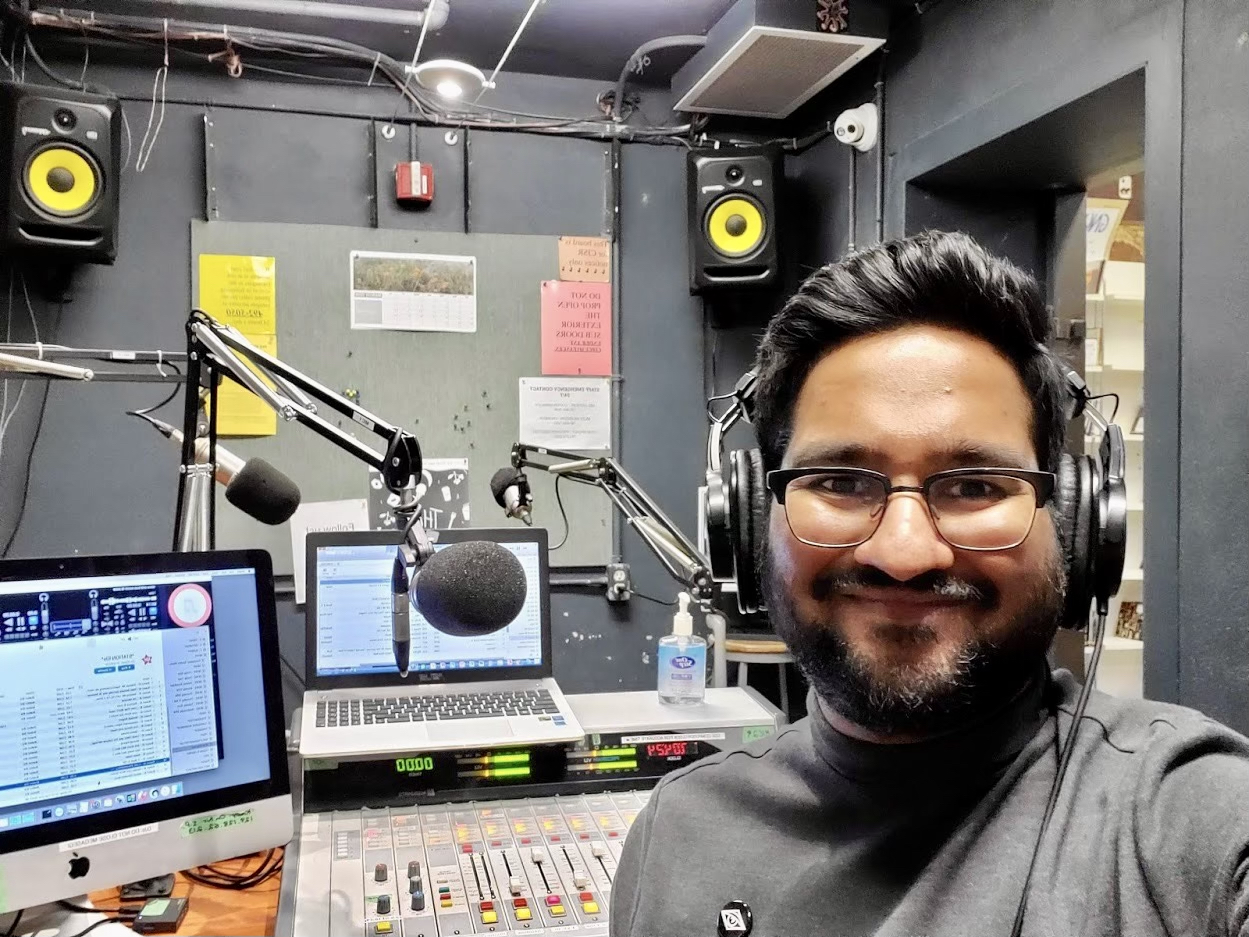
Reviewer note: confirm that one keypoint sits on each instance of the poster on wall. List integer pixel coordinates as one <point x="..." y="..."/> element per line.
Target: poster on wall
<point x="566" y="412"/>
<point x="413" y="292"/>
<point x="576" y="328"/>
<point x="320" y="516"/>
<point x="585" y="259"/>
<point x="241" y="291"/>
<point x="442" y="494"/>
<point x="1101" y="221"/>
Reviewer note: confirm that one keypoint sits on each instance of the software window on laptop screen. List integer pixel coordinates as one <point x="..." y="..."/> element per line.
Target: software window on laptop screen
<point x="353" y="632"/>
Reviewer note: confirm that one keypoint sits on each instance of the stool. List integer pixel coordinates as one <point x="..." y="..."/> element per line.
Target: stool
<point x="745" y="651"/>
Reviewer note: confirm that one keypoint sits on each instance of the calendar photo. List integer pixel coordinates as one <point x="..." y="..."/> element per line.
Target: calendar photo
<point x="413" y="292"/>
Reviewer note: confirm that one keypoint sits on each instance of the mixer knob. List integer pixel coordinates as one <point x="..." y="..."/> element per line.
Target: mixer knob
<point x="581" y="880"/>
<point x="415" y="885"/>
<point x="379" y="872"/>
<point x="418" y="901"/>
<point x="537" y="856"/>
<point x="414" y="869"/>
<point x="383" y="904"/>
<point x="513" y="885"/>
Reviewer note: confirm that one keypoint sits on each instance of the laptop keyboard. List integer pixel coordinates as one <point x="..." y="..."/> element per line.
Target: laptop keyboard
<point x="393" y="709"/>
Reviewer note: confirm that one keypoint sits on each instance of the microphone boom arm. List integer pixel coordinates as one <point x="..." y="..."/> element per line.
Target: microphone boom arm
<point x="215" y="348"/>
<point x="674" y="550"/>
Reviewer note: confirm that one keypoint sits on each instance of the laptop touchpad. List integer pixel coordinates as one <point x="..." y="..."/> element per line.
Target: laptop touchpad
<point x="469" y="730"/>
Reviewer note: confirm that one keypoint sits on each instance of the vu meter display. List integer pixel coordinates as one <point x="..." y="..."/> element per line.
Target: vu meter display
<point x="471" y="765"/>
<point x="603" y="760"/>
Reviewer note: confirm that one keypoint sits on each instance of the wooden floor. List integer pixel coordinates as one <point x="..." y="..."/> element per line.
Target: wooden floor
<point x="217" y="911"/>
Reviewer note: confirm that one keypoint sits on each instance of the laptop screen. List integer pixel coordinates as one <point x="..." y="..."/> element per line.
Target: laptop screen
<point x="353" y="639"/>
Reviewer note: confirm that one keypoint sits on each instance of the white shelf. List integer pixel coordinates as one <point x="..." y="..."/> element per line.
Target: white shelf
<point x="1134" y="575"/>
<point x="1112" y="642"/>
<point x="1111" y="369"/>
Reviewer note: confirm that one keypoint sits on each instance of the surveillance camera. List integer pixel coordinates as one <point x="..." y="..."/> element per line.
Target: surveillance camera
<point x="858" y="127"/>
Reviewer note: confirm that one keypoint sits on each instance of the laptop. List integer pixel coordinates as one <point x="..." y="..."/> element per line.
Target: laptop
<point x="477" y="692"/>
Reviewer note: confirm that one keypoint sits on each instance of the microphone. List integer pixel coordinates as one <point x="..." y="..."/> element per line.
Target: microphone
<point x="511" y="492"/>
<point x="254" y="487"/>
<point x="470" y="589"/>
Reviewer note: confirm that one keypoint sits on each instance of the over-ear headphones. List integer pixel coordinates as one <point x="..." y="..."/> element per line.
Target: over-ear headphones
<point x="1090" y="501"/>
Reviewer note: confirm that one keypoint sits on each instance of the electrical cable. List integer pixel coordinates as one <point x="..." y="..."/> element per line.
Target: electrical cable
<point x="650" y="598"/>
<point x="1064" y="760"/>
<point x="562" y="513"/>
<point x="294" y="673"/>
<point x="30" y="459"/>
<point x="90" y="928"/>
<point x="34" y="441"/>
<point x="17" y="919"/>
<point x="654" y="45"/>
<point x="213" y="877"/>
<point x="156" y="406"/>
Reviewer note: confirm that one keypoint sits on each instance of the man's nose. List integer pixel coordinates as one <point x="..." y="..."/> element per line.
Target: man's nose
<point x="906" y="544"/>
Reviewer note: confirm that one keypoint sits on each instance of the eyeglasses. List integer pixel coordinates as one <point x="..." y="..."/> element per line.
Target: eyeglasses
<point x="971" y="508"/>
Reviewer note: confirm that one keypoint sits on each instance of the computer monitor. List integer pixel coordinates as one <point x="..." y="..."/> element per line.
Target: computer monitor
<point x="141" y="721"/>
<point x="349" y="614"/>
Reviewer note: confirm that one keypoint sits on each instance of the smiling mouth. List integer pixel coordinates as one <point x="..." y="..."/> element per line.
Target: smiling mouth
<point x="898" y="597"/>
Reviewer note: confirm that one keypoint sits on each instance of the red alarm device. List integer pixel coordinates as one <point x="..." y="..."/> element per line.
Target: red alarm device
<point x="414" y="183"/>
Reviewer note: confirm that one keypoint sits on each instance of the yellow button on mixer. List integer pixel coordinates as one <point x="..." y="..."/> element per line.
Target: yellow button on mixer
<point x="557" y="910"/>
<point x="524" y="914"/>
<point x="589" y="907"/>
<point x="490" y="917"/>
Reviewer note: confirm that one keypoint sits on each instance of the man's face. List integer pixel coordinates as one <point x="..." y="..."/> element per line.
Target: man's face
<point x="905" y="634"/>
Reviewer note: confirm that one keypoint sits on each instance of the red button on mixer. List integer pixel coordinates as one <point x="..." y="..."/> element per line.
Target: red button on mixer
<point x="552" y="899"/>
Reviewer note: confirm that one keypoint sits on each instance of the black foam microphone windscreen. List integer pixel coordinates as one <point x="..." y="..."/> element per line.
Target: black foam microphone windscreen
<point x="470" y="589"/>
<point x="503" y="479"/>
<point x="261" y="491"/>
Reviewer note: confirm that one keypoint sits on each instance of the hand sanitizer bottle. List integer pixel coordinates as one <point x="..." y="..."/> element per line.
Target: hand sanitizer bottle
<point x="682" y="659"/>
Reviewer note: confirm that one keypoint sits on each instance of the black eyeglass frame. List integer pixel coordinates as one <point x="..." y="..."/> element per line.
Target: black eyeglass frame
<point x="1043" y="484"/>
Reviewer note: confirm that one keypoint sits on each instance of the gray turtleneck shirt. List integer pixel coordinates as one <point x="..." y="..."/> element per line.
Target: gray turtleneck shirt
<point x="823" y="834"/>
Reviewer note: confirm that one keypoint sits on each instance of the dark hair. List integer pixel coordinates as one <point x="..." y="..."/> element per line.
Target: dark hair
<point x="935" y="278"/>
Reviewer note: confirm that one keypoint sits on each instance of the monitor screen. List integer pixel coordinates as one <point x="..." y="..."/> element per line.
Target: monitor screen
<point x="353" y="599"/>
<point x="126" y="690"/>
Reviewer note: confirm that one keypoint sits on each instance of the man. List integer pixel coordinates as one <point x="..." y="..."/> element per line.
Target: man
<point x="909" y="421"/>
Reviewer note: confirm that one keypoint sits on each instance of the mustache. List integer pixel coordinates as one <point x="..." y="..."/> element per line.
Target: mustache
<point x="934" y="583"/>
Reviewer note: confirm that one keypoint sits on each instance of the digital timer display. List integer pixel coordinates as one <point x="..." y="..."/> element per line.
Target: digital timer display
<point x="412" y="765"/>
<point x="667" y="749"/>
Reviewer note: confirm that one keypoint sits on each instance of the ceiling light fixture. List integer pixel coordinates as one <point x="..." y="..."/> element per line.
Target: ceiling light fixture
<point x="450" y="78"/>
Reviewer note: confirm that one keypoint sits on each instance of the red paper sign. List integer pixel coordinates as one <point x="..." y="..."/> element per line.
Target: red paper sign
<point x="576" y="328"/>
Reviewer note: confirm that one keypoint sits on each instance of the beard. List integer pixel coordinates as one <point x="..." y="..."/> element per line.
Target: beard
<point x="942" y="691"/>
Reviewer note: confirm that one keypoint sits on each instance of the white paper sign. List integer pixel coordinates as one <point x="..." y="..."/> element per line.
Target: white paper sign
<point x="314" y="516"/>
<point x="566" y="412"/>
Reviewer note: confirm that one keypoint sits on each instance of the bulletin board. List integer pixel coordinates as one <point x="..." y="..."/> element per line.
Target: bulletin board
<point x="456" y="392"/>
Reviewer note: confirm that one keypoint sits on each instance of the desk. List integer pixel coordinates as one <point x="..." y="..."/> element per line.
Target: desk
<point x="218" y="911"/>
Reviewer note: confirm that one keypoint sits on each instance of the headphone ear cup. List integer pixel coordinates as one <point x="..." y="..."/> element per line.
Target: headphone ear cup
<point x="741" y="530"/>
<point x="759" y="499"/>
<point x="718" y="515"/>
<point x="1077" y="523"/>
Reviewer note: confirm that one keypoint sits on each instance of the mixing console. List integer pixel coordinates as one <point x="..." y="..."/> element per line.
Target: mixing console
<point x="513" y="841"/>
<point x="501" y="867"/>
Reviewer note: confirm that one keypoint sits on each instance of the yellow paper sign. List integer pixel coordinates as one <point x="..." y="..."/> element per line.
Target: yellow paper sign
<point x="241" y="291"/>
<point x="242" y="413"/>
<point x="585" y="259"/>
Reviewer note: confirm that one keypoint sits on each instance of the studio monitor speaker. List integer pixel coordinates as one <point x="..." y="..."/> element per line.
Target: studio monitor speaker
<point x="732" y="219"/>
<point x="60" y="165"/>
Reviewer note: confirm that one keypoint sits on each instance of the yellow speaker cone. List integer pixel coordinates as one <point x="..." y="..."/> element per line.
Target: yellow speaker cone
<point x="735" y="226"/>
<point x="61" y="181"/>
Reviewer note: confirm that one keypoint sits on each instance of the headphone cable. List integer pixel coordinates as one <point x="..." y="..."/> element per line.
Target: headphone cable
<point x="1064" y="759"/>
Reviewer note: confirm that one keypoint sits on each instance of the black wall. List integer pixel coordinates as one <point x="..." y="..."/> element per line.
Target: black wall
<point x="966" y="73"/>
<point x="102" y="482"/>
